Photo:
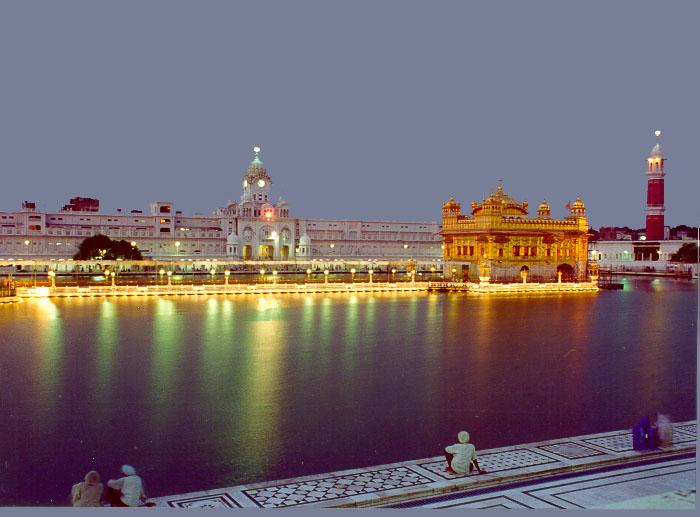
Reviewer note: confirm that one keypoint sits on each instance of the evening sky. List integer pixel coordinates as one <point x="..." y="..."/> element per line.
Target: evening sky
<point x="363" y="109"/>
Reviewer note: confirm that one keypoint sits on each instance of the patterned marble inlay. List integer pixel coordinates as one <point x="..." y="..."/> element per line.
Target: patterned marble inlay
<point x="205" y="501"/>
<point x="494" y="462"/>
<point x="335" y="487"/>
<point x="682" y="437"/>
<point x="570" y="450"/>
<point x="616" y="443"/>
<point x="687" y="428"/>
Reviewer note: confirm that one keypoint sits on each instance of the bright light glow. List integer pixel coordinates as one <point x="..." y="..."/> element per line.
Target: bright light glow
<point x="657" y="133"/>
<point x="177" y="244"/>
<point x="393" y="271"/>
<point x="161" y="272"/>
<point x="353" y="271"/>
<point x="256" y="149"/>
<point x="262" y="271"/>
<point x="332" y="245"/>
<point x="405" y="246"/>
<point x="212" y="272"/>
<point x="227" y="273"/>
<point x="170" y="273"/>
<point x="274" y="272"/>
<point x="273" y="235"/>
<point x="261" y="183"/>
<point x="326" y="272"/>
<point x="26" y="243"/>
<point x="133" y="244"/>
<point x="643" y="238"/>
<point x="308" y="271"/>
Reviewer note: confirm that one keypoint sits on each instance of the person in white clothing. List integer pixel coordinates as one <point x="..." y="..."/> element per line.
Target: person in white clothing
<point x="461" y="457"/>
<point x="127" y="490"/>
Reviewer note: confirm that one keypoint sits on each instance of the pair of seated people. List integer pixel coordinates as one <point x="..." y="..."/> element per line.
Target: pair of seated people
<point x="461" y="457"/>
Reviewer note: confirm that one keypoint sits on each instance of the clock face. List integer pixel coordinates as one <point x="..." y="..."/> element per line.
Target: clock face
<point x="245" y="183"/>
<point x="261" y="183"/>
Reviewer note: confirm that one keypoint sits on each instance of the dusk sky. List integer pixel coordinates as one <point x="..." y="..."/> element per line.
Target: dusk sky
<point x="363" y="109"/>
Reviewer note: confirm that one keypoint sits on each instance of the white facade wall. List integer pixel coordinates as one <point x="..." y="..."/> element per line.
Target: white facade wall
<point x="621" y="256"/>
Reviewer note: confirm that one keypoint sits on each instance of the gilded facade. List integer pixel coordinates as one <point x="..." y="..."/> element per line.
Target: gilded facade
<point x="500" y="242"/>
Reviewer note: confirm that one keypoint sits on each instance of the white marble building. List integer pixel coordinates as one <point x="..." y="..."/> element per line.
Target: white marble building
<point x="253" y="228"/>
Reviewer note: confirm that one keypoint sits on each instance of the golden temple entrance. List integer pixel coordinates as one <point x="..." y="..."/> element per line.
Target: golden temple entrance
<point x="266" y="252"/>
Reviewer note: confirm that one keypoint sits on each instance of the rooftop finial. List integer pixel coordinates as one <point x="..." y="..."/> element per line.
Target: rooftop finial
<point x="256" y="150"/>
<point x="500" y="186"/>
<point x="657" y="133"/>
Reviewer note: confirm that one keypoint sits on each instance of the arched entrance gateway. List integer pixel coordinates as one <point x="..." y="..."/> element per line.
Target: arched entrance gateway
<point x="247" y="252"/>
<point x="567" y="272"/>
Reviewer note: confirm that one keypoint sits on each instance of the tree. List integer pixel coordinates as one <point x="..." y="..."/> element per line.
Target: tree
<point x="688" y="254"/>
<point x="101" y="247"/>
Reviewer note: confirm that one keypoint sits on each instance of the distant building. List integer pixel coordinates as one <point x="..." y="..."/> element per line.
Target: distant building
<point x="255" y="228"/>
<point x="501" y="242"/>
<point x="82" y="204"/>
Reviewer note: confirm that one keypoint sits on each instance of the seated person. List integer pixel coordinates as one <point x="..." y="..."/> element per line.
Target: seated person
<point x="463" y="459"/>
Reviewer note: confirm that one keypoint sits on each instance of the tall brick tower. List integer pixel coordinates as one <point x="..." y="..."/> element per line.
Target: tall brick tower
<point x="655" y="193"/>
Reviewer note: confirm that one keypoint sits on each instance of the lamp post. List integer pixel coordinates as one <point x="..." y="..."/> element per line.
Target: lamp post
<point x="212" y="272"/>
<point x="326" y="273"/>
<point x="113" y="275"/>
<point x="161" y="273"/>
<point x="227" y="273"/>
<point x="274" y="276"/>
<point x="262" y="275"/>
<point x="177" y="247"/>
<point x="371" y="272"/>
<point x="52" y="276"/>
<point x="352" y="272"/>
<point x="106" y="272"/>
<point x="170" y="277"/>
<point x="393" y="272"/>
<point x="308" y="275"/>
<point x="413" y="276"/>
<point x="26" y="247"/>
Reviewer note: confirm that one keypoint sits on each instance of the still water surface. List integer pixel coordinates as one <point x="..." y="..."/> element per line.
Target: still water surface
<point x="202" y="393"/>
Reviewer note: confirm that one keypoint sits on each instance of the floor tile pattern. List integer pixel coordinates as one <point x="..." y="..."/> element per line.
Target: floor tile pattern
<point x="571" y="450"/>
<point x="615" y="443"/>
<point x="682" y="437"/>
<point x="326" y="488"/>
<point x="587" y="491"/>
<point x="206" y="501"/>
<point x="494" y="462"/>
<point x="405" y="478"/>
<point x="688" y="428"/>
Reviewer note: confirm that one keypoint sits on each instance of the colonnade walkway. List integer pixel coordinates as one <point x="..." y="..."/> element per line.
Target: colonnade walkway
<point x="592" y="471"/>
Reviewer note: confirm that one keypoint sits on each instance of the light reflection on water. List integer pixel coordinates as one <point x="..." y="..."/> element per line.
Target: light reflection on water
<point x="240" y="389"/>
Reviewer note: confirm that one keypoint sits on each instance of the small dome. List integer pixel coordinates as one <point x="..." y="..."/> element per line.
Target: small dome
<point x="656" y="152"/>
<point x="543" y="209"/>
<point x="281" y="202"/>
<point x="233" y="239"/>
<point x="578" y="207"/>
<point x="304" y="240"/>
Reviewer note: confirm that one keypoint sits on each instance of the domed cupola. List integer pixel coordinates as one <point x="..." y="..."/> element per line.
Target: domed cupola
<point x="578" y="208"/>
<point x="544" y="211"/>
<point x="256" y="174"/>
<point x="304" y="240"/>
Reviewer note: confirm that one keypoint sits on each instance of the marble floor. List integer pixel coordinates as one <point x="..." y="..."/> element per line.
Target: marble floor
<point x="581" y="472"/>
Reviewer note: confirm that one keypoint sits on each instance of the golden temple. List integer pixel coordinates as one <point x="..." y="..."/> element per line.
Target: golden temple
<point x="500" y="243"/>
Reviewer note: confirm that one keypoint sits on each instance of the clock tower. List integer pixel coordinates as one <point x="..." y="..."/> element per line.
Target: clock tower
<point x="256" y="182"/>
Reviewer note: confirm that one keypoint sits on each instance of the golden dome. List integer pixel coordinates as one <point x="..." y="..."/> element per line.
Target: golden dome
<point x="543" y="209"/>
<point x="578" y="207"/>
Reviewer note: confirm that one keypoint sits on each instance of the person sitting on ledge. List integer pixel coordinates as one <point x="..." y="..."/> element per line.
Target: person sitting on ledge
<point x="461" y="457"/>
<point x="126" y="491"/>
